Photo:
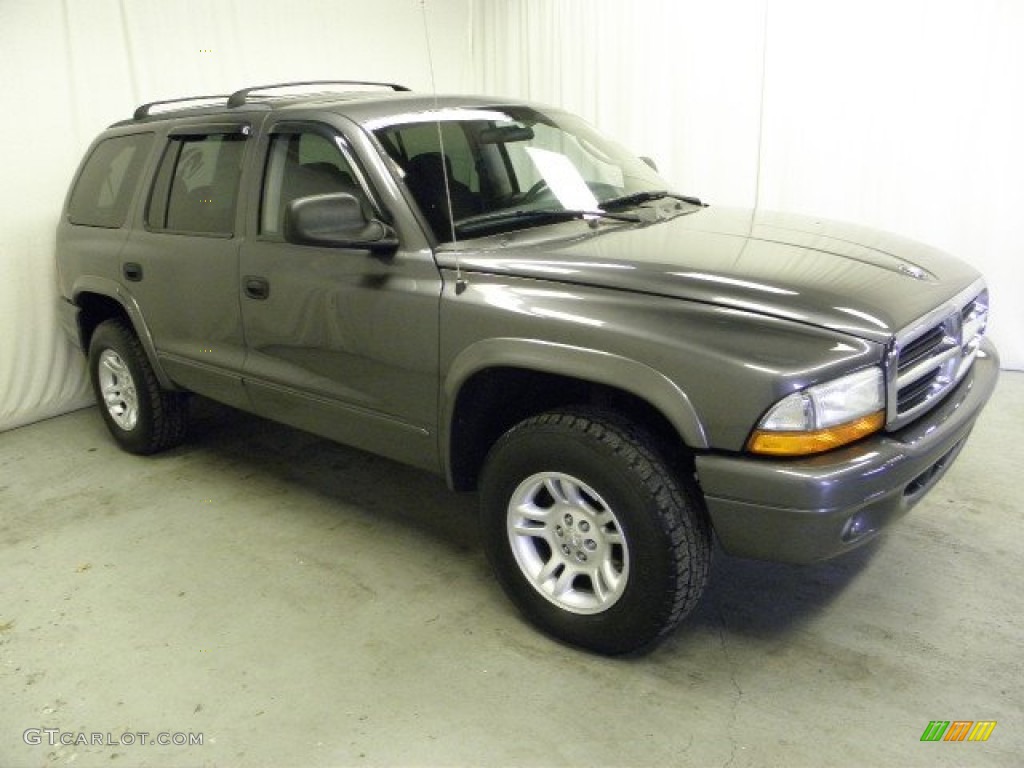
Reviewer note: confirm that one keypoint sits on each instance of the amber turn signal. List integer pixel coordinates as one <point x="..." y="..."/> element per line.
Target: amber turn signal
<point x="807" y="443"/>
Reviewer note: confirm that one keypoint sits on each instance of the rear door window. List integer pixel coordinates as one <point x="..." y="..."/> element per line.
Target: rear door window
<point x="196" y="189"/>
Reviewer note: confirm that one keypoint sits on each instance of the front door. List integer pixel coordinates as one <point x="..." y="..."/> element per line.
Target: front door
<point x="341" y="342"/>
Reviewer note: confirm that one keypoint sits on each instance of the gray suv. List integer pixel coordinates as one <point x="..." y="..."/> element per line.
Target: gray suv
<point x="493" y="291"/>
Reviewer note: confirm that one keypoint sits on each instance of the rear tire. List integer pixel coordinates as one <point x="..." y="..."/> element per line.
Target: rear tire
<point x="142" y="417"/>
<point x="592" y="535"/>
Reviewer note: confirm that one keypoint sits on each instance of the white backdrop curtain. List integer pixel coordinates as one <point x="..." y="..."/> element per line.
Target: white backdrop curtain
<point x="902" y="114"/>
<point x="70" y="68"/>
<point x="905" y="115"/>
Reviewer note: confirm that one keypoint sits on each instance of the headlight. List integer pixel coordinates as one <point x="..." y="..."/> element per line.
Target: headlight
<point x="823" y="417"/>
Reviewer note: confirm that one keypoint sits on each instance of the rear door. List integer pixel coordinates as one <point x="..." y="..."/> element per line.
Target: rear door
<point x="341" y="342"/>
<point x="182" y="264"/>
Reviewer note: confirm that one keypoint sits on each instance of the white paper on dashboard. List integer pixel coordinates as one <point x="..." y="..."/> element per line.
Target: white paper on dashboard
<point x="564" y="181"/>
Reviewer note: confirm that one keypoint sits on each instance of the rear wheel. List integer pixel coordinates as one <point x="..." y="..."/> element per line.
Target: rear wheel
<point x="591" y="533"/>
<point x="143" y="417"/>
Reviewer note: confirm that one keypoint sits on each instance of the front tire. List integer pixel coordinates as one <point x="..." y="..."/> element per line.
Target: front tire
<point x="142" y="417"/>
<point x="590" y="532"/>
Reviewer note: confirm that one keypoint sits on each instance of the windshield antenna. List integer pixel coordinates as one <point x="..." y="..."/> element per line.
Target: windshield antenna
<point x="460" y="282"/>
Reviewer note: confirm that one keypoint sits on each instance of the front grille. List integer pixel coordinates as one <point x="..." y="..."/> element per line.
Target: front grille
<point x="917" y="392"/>
<point x="921" y="348"/>
<point x="931" y="356"/>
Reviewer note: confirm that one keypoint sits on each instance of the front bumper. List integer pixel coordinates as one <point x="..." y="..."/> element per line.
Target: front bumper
<point x="801" y="511"/>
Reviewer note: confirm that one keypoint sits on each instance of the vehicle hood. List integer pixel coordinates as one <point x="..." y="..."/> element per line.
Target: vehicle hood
<point x="848" y="278"/>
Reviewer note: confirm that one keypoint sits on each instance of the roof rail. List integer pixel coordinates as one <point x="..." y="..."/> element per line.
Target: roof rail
<point x="146" y="109"/>
<point x="238" y="98"/>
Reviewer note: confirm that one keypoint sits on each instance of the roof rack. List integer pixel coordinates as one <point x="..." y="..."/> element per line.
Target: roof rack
<point x="146" y="109"/>
<point x="238" y="98"/>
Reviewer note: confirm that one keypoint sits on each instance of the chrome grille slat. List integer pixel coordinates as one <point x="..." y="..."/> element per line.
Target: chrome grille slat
<point x="926" y="366"/>
<point x="917" y="392"/>
<point x="920" y="348"/>
<point x="929" y="357"/>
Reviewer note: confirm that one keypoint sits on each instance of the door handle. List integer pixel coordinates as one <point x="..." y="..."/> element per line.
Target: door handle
<point x="256" y="287"/>
<point x="132" y="271"/>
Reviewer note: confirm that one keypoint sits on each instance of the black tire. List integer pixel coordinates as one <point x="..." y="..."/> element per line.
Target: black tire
<point x="607" y="496"/>
<point x="143" y="417"/>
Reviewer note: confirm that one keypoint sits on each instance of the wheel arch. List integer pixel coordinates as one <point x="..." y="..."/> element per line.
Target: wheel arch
<point x="495" y="383"/>
<point x="99" y="299"/>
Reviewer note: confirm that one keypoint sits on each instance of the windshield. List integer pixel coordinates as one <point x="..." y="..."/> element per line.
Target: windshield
<point x="508" y="167"/>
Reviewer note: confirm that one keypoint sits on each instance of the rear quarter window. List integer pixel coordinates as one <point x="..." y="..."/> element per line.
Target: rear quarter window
<point x="103" y="192"/>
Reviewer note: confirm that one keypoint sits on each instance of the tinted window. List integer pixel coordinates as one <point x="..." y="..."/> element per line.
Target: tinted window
<point x="196" y="188"/>
<point x="443" y="177"/>
<point x="302" y="165"/>
<point x="104" y="189"/>
<point x="504" y="168"/>
<point x="422" y="138"/>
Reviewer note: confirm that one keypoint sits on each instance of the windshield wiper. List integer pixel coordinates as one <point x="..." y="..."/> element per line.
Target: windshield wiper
<point x="644" y="197"/>
<point x="487" y="220"/>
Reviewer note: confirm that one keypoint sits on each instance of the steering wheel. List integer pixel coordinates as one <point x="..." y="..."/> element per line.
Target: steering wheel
<point x="534" y="192"/>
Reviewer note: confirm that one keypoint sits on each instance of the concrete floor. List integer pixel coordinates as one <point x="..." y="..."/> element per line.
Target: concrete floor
<point x="302" y="604"/>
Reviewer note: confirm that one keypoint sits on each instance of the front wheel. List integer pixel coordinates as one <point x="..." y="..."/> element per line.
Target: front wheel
<point x="590" y="532"/>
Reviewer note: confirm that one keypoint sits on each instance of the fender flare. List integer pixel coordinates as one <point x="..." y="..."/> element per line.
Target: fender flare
<point x="592" y="365"/>
<point x="112" y="289"/>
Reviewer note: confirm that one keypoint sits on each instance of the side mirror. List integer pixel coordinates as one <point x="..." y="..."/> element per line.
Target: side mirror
<point x="650" y="162"/>
<point x="335" y="221"/>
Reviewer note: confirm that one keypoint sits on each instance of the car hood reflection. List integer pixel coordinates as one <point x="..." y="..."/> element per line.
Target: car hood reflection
<point x="840" y="276"/>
